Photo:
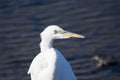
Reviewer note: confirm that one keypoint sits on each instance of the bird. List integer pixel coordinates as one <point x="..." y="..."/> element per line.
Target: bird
<point x="50" y="64"/>
<point x="105" y="60"/>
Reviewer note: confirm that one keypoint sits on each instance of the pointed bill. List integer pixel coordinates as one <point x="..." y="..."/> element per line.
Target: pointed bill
<point x="73" y="35"/>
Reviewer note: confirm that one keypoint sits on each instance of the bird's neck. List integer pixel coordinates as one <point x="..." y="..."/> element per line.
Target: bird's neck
<point x="46" y="44"/>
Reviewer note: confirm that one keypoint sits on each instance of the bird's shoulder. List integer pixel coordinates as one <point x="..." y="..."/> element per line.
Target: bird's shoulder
<point x="42" y="60"/>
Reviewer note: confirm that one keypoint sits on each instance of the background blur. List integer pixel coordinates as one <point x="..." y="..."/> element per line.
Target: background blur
<point x="21" y="22"/>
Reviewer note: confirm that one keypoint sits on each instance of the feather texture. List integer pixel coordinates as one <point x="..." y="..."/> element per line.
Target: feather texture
<point x="51" y="65"/>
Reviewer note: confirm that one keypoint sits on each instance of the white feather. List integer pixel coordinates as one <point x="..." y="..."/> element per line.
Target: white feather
<point x="50" y="63"/>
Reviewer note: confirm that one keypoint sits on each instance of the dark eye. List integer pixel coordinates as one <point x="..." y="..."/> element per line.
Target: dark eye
<point x="55" y="31"/>
<point x="58" y="31"/>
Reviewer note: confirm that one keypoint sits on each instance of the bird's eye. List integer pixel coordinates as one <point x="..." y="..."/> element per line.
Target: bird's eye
<point x="58" y="31"/>
<point x="55" y="31"/>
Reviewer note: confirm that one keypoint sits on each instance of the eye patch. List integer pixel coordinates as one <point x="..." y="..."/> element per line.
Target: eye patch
<point x="58" y="31"/>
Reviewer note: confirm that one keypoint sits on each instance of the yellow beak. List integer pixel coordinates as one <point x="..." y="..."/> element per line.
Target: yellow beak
<point x="73" y="35"/>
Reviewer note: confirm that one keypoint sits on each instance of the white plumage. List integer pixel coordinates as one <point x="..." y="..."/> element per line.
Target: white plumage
<point x="50" y="64"/>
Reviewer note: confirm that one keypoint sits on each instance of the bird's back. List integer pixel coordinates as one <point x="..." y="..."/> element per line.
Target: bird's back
<point x="50" y="65"/>
<point x="63" y="70"/>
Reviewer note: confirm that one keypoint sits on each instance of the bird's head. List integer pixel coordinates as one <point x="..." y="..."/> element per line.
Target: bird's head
<point x="55" y="32"/>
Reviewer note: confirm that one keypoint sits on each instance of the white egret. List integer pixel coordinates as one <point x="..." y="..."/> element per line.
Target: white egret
<point x="50" y="64"/>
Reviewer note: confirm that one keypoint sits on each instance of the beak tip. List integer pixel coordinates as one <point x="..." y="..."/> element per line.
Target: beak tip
<point x="81" y="36"/>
